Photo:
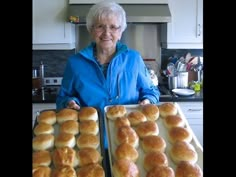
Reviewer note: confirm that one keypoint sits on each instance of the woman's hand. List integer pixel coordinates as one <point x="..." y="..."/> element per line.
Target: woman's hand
<point x="72" y="104"/>
<point x="145" y="101"/>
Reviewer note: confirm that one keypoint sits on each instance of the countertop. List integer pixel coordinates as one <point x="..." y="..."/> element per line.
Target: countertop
<point x="170" y="97"/>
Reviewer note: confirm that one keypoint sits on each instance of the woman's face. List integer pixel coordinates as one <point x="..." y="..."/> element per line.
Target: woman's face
<point x="106" y="32"/>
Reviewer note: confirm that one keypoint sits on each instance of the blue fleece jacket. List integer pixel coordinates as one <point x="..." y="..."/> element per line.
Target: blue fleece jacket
<point x="127" y="80"/>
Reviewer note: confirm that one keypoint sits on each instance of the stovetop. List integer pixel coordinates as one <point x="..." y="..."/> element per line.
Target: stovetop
<point x="52" y="90"/>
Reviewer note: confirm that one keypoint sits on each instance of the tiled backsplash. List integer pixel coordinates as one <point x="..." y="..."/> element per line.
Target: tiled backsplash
<point x="55" y="60"/>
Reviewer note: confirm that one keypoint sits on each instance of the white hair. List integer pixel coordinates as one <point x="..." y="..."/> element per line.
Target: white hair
<point x="105" y="9"/>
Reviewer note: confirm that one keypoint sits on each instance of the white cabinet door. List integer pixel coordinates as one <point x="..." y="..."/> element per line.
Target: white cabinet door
<point x="193" y="112"/>
<point x="186" y="27"/>
<point x="37" y="107"/>
<point x="51" y="29"/>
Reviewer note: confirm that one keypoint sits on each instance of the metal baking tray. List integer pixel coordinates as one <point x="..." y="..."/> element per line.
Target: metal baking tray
<point x="109" y="125"/>
<point x="100" y="134"/>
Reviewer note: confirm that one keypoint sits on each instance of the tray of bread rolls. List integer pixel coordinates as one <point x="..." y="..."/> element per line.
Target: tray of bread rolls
<point x="149" y="140"/>
<point x="68" y="143"/>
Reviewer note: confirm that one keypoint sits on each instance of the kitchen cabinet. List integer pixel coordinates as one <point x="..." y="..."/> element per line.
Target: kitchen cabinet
<point x="37" y="107"/>
<point x="51" y="29"/>
<point x="120" y="1"/>
<point x="185" y="31"/>
<point x="193" y="112"/>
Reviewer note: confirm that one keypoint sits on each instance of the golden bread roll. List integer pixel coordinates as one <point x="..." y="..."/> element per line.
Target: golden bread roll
<point x="179" y="133"/>
<point x="87" y="140"/>
<point x="65" y="139"/>
<point x="161" y="171"/>
<point x="92" y="170"/>
<point x="187" y="169"/>
<point x="126" y="151"/>
<point x="66" y="114"/>
<point x="89" y="127"/>
<point x="121" y="121"/>
<point x="167" y="109"/>
<point x="116" y="111"/>
<point x="125" y="168"/>
<point x="147" y="128"/>
<point x="127" y="134"/>
<point x="152" y="159"/>
<point x="88" y="156"/>
<point x="173" y="121"/>
<point x="151" y="111"/>
<point x="183" y="151"/>
<point x="70" y="126"/>
<point x="153" y="143"/>
<point x="43" y="142"/>
<point x="41" y="171"/>
<point x="64" y="156"/>
<point x="64" y="171"/>
<point x="47" y="117"/>
<point x="43" y="128"/>
<point x="88" y="113"/>
<point x="136" y="117"/>
<point x="41" y="158"/>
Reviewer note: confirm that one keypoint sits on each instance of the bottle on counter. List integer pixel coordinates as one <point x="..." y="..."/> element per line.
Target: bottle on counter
<point x="41" y="73"/>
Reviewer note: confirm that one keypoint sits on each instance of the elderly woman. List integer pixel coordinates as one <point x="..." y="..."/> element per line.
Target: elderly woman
<point x="106" y="72"/>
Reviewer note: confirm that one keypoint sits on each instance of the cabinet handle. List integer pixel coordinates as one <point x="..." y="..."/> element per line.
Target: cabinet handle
<point x="199" y="30"/>
<point x="194" y="109"/>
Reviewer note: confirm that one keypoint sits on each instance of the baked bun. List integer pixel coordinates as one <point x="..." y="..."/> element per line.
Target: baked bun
<point x="48" y="117"/>
<point x="183" y="151"/>
<point x="125" y="168"/>
<point x="88" y="113"/>
<point x="63" y="156"/>
<point x="152" y="159"/>
<point x="151" y="111"/>
<point x="167" y="109"/>
<point x="121" y="121"/>
<point x="43" y="142"/>
<point x="67" y="114"/>
<point x="126" y="151"/>
<point x="88" y="156"/>
<point x="87" y="140"/>
<point x="127" y="134"/>
<point x="173" y="121"/>
<point x="136" y="117"/>
<point x="65" y="139"/>
<point x="41" y="171"/>
<point x="179" y="133"/>
<point x="43" y="128"/>
<point x="161" y="171"/>
<point x="153" y="143"/>
<point x="41" y="158"/>
<point x="70" y="126"/>
<point x="92" y="170"/>
<point x="147" y="128"/>
<point x="64" y="171"/>
<point x="186" y="169"/>
<point x="89" y="127"/>
<point x="116" y="111"/>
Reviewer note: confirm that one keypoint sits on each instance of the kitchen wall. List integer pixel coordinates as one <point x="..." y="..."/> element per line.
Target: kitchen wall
<point x="55" y="60"/>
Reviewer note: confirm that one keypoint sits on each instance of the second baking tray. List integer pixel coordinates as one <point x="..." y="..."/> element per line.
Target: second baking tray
<point x="110" y="127"/>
